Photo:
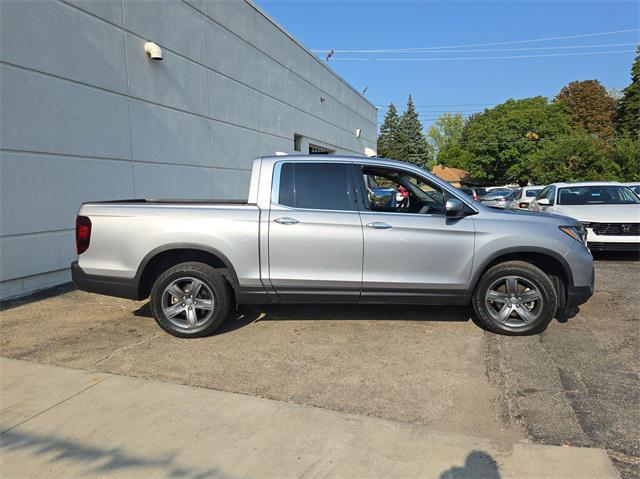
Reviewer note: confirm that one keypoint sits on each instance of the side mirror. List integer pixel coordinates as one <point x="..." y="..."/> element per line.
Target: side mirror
<point x="543" y="202"/>
<point x="454" y="208"/>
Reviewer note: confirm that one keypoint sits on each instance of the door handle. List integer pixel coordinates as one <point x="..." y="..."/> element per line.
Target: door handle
<point x="378" y="225"/>
<point x="286" y="221"/>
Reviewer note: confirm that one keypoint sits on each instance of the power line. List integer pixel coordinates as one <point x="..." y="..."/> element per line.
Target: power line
<point x="421" y="111"/>
<point x="566" y="47"/>
<point x="509" y="57"/>
<point x="445" y="105"/>
<point x="511" y="42"/>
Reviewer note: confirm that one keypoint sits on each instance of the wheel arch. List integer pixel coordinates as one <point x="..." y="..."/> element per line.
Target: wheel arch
<point x="166" y="256"/>
<point x="549" y="261"/>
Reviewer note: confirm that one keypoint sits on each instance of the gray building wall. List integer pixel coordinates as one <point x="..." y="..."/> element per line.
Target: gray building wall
<point x="86" y="115"/>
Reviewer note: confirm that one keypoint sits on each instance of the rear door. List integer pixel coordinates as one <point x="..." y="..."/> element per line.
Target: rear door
<point x="315" y="234"/>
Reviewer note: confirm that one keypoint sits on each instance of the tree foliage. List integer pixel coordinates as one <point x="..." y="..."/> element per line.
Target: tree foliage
<point x="628" y="111"/>
<point x="581" y="157"/>
<point x="412" y="144"/>
<point x="589" y="106"/>
<point x="388" y="136"/>
<point x="444" y="134"/>
<point x="502" y="143"/>
<point x="626" y="154"/>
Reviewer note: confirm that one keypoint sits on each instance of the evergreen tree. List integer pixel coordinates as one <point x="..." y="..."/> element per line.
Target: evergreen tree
<point x="388" y="136"/>
<point x="590" y="107"/>
<point x="628" y="112"/>
<point x="412" y="143"/>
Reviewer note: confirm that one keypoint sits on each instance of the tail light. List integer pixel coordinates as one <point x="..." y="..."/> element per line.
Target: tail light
<point x="475" y="197"/>
<point x="524" y="205"/>
<point x="83" y="233"/>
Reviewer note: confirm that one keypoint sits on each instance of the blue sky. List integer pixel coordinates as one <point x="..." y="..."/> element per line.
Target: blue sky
<point x="367" y="25"/>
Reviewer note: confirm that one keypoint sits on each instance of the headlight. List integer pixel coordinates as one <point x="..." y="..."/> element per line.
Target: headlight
<point x="577" y="232"/>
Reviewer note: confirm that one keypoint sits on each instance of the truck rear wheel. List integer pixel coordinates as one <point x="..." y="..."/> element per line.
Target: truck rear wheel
<point x="190" y="300"/>
<point x="515" y="298"/>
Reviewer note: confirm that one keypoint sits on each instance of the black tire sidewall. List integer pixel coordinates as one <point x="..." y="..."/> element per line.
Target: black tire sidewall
<point x="530" y="273"/>
<point x="208" y="275"/>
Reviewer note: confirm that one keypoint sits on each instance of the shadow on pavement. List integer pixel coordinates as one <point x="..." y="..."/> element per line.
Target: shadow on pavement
<point x="37" y="296"/>
<point x="100" y="462"/>
<point x="478" y="465"/>
<point x="335" y="312"/>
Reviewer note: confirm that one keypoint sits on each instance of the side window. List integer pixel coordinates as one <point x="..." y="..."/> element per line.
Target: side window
<point x="319" y="186"/>
<point x="543" y="193"/>
<point x="551" y="195"/>
<point x="397" y="191"/>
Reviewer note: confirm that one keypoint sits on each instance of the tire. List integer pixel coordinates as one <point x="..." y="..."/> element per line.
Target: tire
<point x="500" y="299"/>
<point x="190" y="316"/>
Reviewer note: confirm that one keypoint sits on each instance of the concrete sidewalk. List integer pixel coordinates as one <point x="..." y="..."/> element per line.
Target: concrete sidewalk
<point x="59" y="422"/>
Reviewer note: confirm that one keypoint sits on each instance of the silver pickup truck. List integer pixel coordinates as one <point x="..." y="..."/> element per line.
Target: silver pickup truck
<point x="336" y="230"/>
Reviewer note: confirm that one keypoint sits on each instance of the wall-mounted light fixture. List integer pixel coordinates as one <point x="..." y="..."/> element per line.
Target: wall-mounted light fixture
<point x="358" y="132"/>
<point x="153" y="50"/>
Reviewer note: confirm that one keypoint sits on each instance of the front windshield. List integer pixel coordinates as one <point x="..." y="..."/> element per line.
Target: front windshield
<point x="597" y="195"/>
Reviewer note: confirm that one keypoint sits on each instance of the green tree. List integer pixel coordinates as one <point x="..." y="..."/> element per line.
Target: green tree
<point x="388" y="136"/>
<point x="502" y="142"/>
<point x="412" y="144"/>
<point x="581" y="157"/>
<point x="626" y="154"/>
<point x="445" y="133"/>
<point x="628" y="112"/>
<point x="589" y="105"/>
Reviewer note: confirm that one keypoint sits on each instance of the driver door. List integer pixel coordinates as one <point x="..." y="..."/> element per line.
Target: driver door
<point x="412" y="252"/>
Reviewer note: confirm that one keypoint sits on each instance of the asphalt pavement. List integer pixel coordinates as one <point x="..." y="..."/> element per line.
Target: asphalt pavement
<point x="574" y="386"/>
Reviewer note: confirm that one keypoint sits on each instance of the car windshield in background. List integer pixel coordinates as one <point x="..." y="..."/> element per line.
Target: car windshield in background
<point x="635" y="189"/>
<point x="532" y="193"/>
<point x="597" y="195"/>
<point x="494" y="193"/>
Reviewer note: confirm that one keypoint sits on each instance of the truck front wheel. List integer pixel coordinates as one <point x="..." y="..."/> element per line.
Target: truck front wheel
<point x="515" y="298"/>
<point x="190" y="300"/>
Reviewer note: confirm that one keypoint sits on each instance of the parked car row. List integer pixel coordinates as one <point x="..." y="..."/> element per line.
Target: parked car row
<point x="609" y="212"/>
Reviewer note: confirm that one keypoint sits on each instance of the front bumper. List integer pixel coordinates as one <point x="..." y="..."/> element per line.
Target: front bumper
<point x="610" y="246"/>
<point x="107" y="285"/>
<point x="577" y="295"/>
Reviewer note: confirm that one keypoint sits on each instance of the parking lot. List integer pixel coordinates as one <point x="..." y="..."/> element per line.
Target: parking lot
<point x="576" y="384"/>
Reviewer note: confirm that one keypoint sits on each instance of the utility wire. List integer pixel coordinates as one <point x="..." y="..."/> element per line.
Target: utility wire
<point x="444" y="105"/>
<point x="512" y="42"/>
<point x="567" y="47"/>
<point x="509" y="57"/>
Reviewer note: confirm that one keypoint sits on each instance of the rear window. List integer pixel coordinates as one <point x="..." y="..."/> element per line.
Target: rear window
<point x="532" y="193"/>
<point x="318" y="186"/>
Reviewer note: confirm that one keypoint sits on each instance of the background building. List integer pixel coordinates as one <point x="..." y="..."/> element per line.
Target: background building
<point x="86" y="115"/>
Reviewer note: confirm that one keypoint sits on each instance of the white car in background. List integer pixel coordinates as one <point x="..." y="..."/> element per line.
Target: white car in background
<point x="609" y="211"/>
<point x="524" y="197"/>
<point x="635" y="187"/>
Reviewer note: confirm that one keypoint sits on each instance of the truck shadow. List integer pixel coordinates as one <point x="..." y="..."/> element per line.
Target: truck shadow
<point x="246" y="315"/>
